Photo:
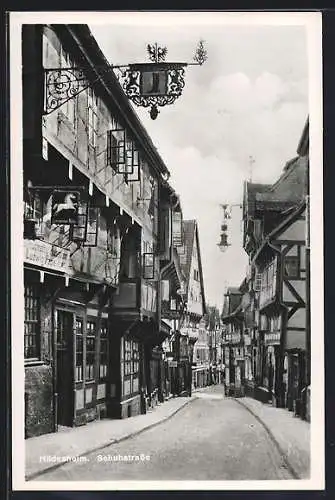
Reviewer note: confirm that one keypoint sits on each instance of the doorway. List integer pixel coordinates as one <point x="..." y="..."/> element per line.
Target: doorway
<point x="64" y="383"/>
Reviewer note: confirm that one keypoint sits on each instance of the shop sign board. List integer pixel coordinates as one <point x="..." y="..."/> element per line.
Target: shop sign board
<point x="272" y="338"/>
<point x="43" y="254"/>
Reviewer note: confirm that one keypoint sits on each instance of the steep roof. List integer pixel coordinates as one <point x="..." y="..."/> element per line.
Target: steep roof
<point x="232" y="303"/>
<point x="288" y="191"/>
<point x="188" y="235"/>
<point x="292" y="215"/>
<point x="191" y="234"/>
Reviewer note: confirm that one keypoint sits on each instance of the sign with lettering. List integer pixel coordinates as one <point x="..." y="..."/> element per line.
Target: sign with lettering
<point x="64" y="208"/>
<point x="272" y="338"/>
<point x="43" y="254"/>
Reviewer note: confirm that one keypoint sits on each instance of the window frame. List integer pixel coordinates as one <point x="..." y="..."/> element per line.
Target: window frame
<point x="35" y="321"/>
<point x="130" y="364"/>
<point x="104" y="340"/>
<point x="288" y="260"/>
<point x="90" y="371"/>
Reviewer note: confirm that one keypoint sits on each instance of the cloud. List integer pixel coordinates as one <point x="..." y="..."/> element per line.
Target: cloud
<point x="249" y="99"/>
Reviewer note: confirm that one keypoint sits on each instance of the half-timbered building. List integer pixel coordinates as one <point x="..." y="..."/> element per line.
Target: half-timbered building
<point x="92" y="179"/>
<point x="275" y="225"/>
<point x="192" y="330"/>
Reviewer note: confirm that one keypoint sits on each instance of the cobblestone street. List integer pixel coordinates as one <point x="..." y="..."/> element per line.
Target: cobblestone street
<point x="212" y="438"/>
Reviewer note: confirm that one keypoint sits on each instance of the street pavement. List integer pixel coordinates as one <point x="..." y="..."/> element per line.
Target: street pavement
<point x="211" y="438"/>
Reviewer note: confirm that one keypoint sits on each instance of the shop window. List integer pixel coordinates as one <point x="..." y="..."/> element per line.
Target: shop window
<point x="90" y="349"/>
<point x="291" y="267"/>
<point x="131" y="365"/>
<point x="31" y="322"/>
<point x="103" y="362"/>
<point x="79" y="350"/>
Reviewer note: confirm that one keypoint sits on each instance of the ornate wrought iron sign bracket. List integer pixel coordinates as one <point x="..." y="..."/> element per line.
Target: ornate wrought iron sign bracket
<point x="61" y="85"/>
<point x="152" y="84"/>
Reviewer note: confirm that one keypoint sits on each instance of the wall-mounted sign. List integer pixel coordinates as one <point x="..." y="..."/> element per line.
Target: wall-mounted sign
<point x="64" y="206"/>
<point x="43" y="254"/>
<point x="173" y="364"/>
<point x="272" y="338"/>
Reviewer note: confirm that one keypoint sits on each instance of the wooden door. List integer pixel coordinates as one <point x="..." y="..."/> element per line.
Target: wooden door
<point x="64" y="347"/>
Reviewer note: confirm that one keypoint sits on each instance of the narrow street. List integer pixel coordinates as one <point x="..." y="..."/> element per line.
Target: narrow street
<point x="212" y="438"/>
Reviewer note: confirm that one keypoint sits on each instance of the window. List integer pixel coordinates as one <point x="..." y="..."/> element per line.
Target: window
<point x="130" y="365"/>
<point x="196" y="275"/>
<point x="31" y="322"/>
<point x="258" y="282"/>
<point x="115" y="148"/>
<point x="148" y="266"/>
<point x="79" y="350"/>
<point x="291" y="267"/>
<point x="92" y="226"/>
<point x="92" y="118"/>
<point x="103" y="362"/>
<point x="177" y="229"/>
<point x="90" y="349"/>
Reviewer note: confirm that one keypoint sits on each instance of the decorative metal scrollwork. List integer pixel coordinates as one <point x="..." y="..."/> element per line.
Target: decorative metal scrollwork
<point x="61" y="85"/>
<point x="154" y="85"/>
<point x="200" y="53"/>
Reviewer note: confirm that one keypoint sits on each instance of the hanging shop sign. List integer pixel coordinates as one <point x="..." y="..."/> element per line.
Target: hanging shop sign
<point x="158" y="83"/>
<point x="64" y="206"/>
<point x="43" y="254"/>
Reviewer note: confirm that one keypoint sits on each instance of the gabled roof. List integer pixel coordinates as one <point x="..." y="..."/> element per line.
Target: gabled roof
<point x="303" y="145"/>
<point x="190" y="235"/>
<point x="232" y="304"/>
<point x="293" y="214"/>
<point x="288" y="191"/>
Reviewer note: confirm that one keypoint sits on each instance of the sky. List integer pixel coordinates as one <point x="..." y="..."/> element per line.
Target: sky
<point x="249" y="99"/>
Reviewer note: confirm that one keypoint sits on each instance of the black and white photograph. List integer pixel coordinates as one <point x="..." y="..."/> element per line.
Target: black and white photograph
<point x="166" y="249"/>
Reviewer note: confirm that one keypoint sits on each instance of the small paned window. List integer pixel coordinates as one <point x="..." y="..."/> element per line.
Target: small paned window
<point x="79" y="350"/>
<point x="90" y="349"/>
<point x="31" y="322"/>
<point x="291" y="267"/>
<point x="103" y="363"/>
<point x="148" y="266"/>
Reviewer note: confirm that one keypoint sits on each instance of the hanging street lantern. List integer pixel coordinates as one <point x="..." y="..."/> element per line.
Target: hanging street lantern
<point x="223" y="245"/>
<point x="227" y="215"/>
